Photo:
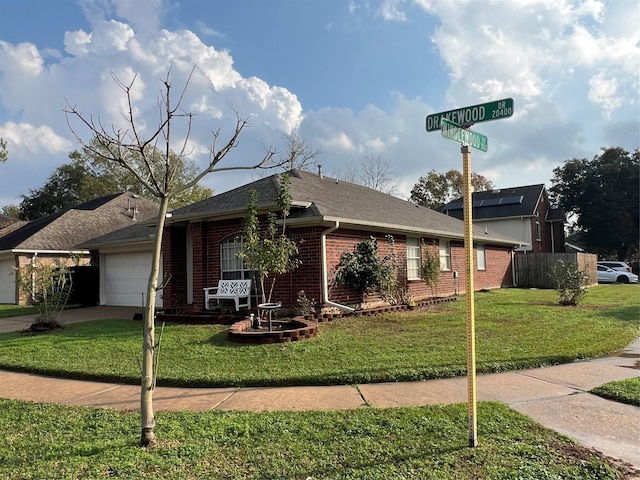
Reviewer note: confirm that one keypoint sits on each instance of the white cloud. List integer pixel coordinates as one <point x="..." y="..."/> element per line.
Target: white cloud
<point x="604" y="91"/>
<point x="22" y="58"/>
<point x="22" y="137"/>
<point x="392" y="10"/>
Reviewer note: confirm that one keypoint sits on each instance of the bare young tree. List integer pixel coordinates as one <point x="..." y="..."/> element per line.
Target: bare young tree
<point x="378" y="174"/>
<point x="157" y="173"/>
<point x="374" y="173"/>
<point x="297" y="153"/>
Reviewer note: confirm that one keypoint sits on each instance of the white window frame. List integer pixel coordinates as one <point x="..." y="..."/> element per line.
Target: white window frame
<point x="444" y="253"/>
<point x="538" y="231"/>
<point x="414" y="257"/>
<point x="232" y="267"/>
<point x="481" y="256"/>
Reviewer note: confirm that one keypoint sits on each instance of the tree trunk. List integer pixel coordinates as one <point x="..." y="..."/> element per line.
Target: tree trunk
<point x="147" y="418"/>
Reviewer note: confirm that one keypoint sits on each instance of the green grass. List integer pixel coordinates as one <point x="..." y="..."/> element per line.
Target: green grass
<point x="63" y="442"/>
<point x="624" y="391"/>
<point x="7" y="311"/>
<point x="514" y="329"/>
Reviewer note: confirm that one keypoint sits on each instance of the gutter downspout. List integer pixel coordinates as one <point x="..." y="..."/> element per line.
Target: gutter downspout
<point x="325" y="277"/>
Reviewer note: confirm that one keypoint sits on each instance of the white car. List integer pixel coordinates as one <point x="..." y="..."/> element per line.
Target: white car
<point x="609" y="275"/>
<point x="615" y="265"/>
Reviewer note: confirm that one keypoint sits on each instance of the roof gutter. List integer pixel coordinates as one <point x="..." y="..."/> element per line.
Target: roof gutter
<point x="325" y="277"/>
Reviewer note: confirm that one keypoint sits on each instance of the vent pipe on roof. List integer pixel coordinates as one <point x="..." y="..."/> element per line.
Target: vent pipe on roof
<point x="320" y="171"/>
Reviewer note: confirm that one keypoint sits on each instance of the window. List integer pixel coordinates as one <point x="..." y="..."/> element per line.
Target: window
<point x="232" y="267"/>
<point x="538" y="231"/>
<point x="413" y="258"/>
<point x="481" y="257"/>
<point x="445" y="255"/>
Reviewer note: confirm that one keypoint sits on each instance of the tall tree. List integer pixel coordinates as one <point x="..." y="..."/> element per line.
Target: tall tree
<point x="89" y="175"/>
<point x="374" y="173"/>
<point x="120" y="146"/>
<point x="298" y="153"/>
<point x="69" y="185"/>
<point x="121" y="179"/>
<point x="602" y="194"/>
<point x="436" y="189"/>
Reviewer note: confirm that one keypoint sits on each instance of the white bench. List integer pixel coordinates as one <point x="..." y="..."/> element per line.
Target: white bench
<point x="237" y="290"/>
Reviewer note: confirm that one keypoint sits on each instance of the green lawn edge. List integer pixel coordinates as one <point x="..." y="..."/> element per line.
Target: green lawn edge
<point x="426" y="443"/>
<point x="623" y="391"/>
<point x="515" y="329"/>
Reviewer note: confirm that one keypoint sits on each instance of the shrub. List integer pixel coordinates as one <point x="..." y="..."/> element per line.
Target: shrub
<point x="48" y="286"/>
<point x="570" y="282"/>
<point x="363" y="270"/>
<point x="430" y="270"/>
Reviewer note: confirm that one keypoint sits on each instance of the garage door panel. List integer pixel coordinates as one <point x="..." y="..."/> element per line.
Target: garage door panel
<point x="7" y="282"/>
<point x="125" y="279"/>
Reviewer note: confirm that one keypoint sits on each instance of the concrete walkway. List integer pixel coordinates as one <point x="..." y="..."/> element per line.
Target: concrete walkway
<point x="554" y="396"/>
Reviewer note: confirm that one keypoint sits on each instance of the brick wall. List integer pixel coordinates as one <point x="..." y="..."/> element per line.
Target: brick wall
<point x="207" y="237"/>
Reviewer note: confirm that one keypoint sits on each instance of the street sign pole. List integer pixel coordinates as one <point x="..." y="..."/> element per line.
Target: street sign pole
<point x="454" y="125"/>
<point x="471" y="333"/>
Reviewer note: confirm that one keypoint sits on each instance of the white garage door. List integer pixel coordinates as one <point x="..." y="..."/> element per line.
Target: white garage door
<point x="125" y="277"/>
<point x="7" y="282"/>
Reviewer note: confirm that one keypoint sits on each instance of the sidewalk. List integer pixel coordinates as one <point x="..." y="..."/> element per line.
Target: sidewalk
<point x="554" y="396"/>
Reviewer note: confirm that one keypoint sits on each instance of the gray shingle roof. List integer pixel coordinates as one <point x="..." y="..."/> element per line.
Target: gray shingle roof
<point x="65" y="230"/>
<point x="321" y="200"/>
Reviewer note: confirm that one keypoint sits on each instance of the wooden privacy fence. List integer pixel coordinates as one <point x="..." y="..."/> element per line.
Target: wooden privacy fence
<point x="533" y="270"/>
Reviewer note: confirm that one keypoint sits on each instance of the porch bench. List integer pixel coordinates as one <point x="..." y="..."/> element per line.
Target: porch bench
<point x="237" y="290"/>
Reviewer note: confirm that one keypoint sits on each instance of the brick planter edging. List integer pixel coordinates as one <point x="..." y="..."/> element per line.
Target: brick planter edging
<point x="325" y="317"/>
<point x="242" y="332"/>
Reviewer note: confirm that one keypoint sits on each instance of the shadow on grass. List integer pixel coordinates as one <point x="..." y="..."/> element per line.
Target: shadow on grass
<point x="624" y="314"/>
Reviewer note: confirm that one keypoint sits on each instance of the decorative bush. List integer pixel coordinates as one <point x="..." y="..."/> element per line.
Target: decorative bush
<point x="48" y="286"/>
<point x="430" y="270"/>
<point x="570" y="282"/>
<point x="363" y="270"/>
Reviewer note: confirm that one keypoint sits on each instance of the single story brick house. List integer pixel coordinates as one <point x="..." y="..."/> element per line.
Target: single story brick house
<point x="55" y="238"/>
<point x="328" y="217"/>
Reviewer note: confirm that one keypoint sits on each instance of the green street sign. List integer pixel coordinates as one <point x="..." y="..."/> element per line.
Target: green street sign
<point x="455" y="132"/>
<point x="469" y="115"/>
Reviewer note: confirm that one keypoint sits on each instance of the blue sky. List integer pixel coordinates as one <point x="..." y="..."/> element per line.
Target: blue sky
<point x="355" y="79"/>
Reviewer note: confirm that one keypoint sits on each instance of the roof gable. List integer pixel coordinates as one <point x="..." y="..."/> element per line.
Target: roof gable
<point x="63" y="231"/>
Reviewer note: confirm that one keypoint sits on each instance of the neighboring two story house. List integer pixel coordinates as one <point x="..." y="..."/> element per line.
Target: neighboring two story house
<point x="523" y="213"/>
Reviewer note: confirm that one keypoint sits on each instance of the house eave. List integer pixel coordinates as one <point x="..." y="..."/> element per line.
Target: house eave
<point x="222" y="214"/>
<point x="44" y="251"/>
<point x="403" y="229"/>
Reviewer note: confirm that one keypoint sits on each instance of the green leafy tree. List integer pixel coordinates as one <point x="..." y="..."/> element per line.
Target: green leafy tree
<point x="90" y="176"/>
<point x="436" y="189"/>
<point x="602" y="194"/>
<point x="12" y="211"/>
<point x="71" y="184"/>
<point x="269" y="251"/>
<point x="156" y="169"/>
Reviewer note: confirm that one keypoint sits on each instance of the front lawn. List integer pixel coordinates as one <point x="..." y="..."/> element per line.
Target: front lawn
<point x="7" y="311"/>
<point x="64" y="442"/>
<point x="515" y="328"/>
<point x="624" y="391"/>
